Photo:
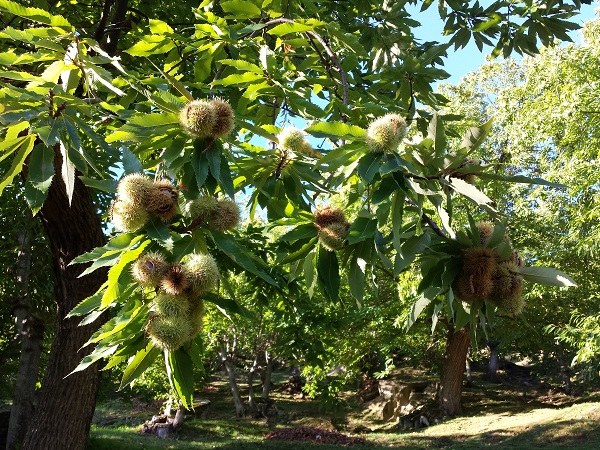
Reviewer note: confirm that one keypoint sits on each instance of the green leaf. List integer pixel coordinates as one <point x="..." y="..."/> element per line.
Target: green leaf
<point x="86" y="305"/>
<point x="471" y="192"/>
<point x="362" y="229"/>
<point x="302" y="231"/>
<point x="239" y="78"/>
<point x="17" y="164"/>
<point x="182" y="375"/>
<point x="339" y="130"/>
<point x="416" y="309"/>
<point x="158" y="231"/>
<point x="368" y="166"/>
<point x="328" y="273"/>
<point x="101" y="351"/>
<point x="436" y="133"/>
<point x="151" y="45"/>
<point x="41" y="167"/>
<point x="116" y="244"/>
<point x="241" y="256"/>
<point x="244" y="66"/>
<point x="518" y="179"/>
<point x="213" y="156"/>
<point x="139" y="363"/>
<point x="242" y="9"/>
<point x="229" y="305"/>
<point x="36" y="15"/>
<point x="113" y="290"/>
<point x="286" y="28"/>
<point x="200" y="165"/>
<point x="300" y="253"/>
<point x="131" y="163"/>
<point x="547" y="276"/>
<point x="34" y="197"/>
<point x="67" y="171"/>
<point x="476" y="135"/>
<point x="356" y="278"/>
<point x="160" y="27"/>
<point x="226" y="180"/>
<point x="309" y="273"/>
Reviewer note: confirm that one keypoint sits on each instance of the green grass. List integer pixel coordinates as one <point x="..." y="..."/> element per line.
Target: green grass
<point x="496" y="416"/>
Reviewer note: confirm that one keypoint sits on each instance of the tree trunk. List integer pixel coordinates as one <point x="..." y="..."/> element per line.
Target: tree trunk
<point x="494" y="362"/>
<point x="66" y="405"/>
<point x="453" y="371"/>
<point x="251" y="374"/>
<point x="31" y="330"/>
<point x="235" y="391"/>
<point x="266" y="389"/>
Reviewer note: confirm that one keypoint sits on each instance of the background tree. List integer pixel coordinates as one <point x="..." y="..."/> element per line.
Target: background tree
<point x="559" y="146"/>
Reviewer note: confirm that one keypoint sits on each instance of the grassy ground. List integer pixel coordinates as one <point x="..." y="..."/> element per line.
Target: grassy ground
<point x="495" y="415"/>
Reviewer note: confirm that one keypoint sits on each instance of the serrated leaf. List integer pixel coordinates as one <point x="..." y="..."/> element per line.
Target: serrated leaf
<point x="328" y="273"/>
<point x="101" y="351"/>
<point x="476" y="135"/>
<point x="309" y="272"/>
<point x="34" y="197"/>
<point x="547" y="276"/>
<point x="416" y="309"/>
<point x="131" y="163"/>
<point x="116" y="244"/>
<point x="67" y="171"/>
<point x="113" y="290"/>
<point x="41" y="167"/>
<point x="244" y="66"/>
<point x="302" y="231"/>
<point x="368" y="166"/>
<point x="339" y="130"/>
<point x="228" y="305"/>
<point x="241" y="256"/>
<point x="17" y="165"/>
<point x="182" y="375"/>
<point x="239" y="78"/>
<point x="242" y="9"/>
<point x="87" y="305"/>
<point x="356" y="278"/>
<point x="471" y="192"/>
<point x="362" y="229"/>
<point x="286" y="28"/>
<point x="36" y="15"/>
<point x="139" y="363"/>
<point x="518" y="179"/>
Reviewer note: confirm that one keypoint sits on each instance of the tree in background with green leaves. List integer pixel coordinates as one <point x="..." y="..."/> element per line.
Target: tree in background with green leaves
<point x="546" y="122"/>
<point x="81" y="107"/>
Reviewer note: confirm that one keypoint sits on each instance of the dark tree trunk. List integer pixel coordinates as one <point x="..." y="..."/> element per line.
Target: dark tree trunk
<point x="113" y="21"/>
<point x="66" y="405"/>
<point x="31" y="330"/>
<point x="453" y="371"/>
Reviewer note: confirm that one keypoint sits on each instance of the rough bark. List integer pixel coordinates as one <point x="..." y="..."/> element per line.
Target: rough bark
<point x="31" y="330"/>
<point x="235" y="391"/>
<point x="453" y="371"/>
<point x="66" y="405"/>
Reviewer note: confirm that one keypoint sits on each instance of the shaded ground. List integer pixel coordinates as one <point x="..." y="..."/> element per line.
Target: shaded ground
<point x="495" y="415"/>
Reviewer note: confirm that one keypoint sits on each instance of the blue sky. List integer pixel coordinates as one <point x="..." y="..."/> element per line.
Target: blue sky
<point x="468" y="59"/>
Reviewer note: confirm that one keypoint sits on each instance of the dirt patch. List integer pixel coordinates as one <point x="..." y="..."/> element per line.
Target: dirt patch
<point x="314" y="435"/>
